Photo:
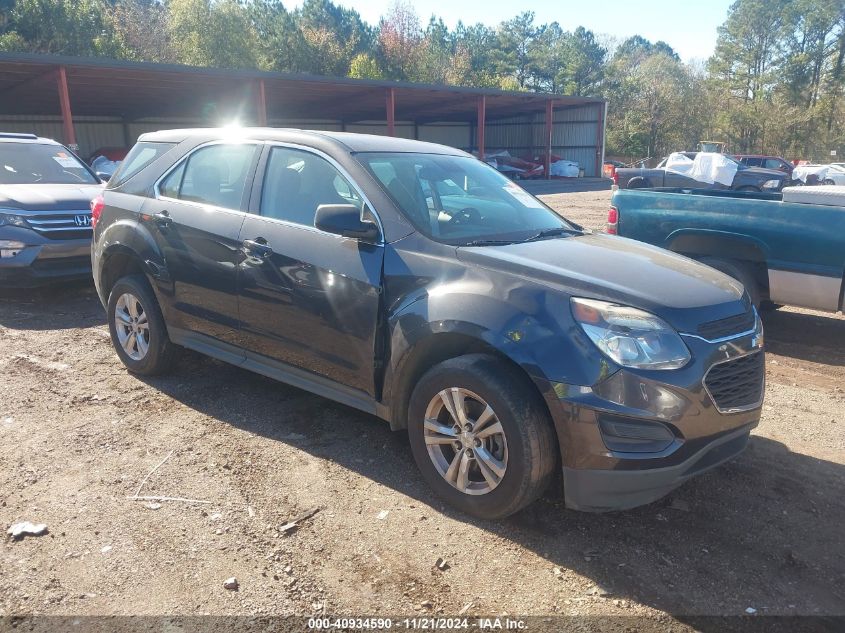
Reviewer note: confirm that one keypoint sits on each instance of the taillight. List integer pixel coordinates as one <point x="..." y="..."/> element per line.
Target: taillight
<point x="97" y="205"/>
<point x="615" y="177"/>
<point x="612" y="220"/>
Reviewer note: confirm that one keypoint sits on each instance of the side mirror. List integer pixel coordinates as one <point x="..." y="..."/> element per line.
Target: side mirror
<point x="104" y="176"/>
<point x="345" y="220"/>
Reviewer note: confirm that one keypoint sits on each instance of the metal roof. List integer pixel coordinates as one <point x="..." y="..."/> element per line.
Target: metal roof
<point x="136" y="90"/>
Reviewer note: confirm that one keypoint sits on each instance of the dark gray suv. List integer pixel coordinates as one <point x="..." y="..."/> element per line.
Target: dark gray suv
<point x="416" y="283"/>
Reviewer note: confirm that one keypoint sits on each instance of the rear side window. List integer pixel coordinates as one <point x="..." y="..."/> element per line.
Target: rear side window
<point x="214" y="175"/>
<point x="138" y="157"/>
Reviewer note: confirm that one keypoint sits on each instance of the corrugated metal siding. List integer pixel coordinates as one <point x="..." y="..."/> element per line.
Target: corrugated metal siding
<point x="576" y="134"/>
<point x="591" y="112"/>
<point x="403" y="129"/>
<point x="453" y="134"/>
<point x="91" y="133"/>
<point x="512" y="136"/>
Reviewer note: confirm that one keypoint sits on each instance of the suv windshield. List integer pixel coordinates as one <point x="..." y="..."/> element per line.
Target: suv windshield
<point x="30" y="163"/>
<point x="460" y="200"/>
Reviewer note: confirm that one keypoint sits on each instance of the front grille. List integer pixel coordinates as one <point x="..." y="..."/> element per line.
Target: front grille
<point x="737" y="384"/>
<point x="61" y="225"/>
<point x="730" y="326"/>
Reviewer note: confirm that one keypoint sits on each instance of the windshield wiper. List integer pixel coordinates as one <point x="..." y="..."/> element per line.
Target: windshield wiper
<point x="491" y="242"/>
<point x="561" y="230"/>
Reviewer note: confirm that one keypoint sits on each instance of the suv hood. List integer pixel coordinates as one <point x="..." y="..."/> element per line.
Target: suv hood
<point x="682" y="291"/>
<point x="36" y="197"/>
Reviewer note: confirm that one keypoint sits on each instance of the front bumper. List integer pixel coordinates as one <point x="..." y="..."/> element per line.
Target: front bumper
<point x="635" y="436"/>
<point x="598" y="490"/>
<point x="43" y="260"/>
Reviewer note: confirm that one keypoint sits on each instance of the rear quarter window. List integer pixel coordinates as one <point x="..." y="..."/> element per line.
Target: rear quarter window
<point x="141" y="155"/>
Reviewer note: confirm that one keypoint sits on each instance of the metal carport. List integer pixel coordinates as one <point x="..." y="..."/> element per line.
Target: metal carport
<point x="93" y="102"/>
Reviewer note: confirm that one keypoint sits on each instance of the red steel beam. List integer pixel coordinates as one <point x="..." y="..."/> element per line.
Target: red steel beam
<point x="64" y="101"/>
<point x="391" y="111"/>
<point x="482" y="121"/>
<point x="261" y="103"/>
<point x="547" y="156"/>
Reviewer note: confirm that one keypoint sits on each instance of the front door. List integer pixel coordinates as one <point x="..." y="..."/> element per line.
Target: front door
<point x="308" y="298"/>
<point x="196" y="220"/>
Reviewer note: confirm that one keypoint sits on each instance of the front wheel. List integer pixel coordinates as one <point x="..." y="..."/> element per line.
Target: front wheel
<point x="137" y="328"/>
<point x="481" y="437"/>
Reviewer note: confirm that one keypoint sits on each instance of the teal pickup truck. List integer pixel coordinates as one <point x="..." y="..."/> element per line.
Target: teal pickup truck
<point x="785" y="248"/>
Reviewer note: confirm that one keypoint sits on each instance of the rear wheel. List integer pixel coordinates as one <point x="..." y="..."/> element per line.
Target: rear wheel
<point x="740" y="271"/>
<point x="480" y="436"/>
<point x="638" y="182"/>
<point x="137" y="328"/>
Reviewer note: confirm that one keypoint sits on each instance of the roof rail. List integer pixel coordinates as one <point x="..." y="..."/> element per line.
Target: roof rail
<point x="18" y="135"/>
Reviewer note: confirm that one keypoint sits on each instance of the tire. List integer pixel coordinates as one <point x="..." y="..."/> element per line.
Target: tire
<point x="638" y="182"/>
<point x="526" y="446"/>
<point x="828" y="181"/>
<point x="151" y="353"/>
<point x="739" y="271"/>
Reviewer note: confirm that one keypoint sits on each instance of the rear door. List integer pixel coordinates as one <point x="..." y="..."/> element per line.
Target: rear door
<point x="307" y="298"/>
<point x="676" y="179"/>
<point x="195" y="219"/>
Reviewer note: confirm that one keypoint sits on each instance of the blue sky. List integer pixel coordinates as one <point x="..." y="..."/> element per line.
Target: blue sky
<point x="689" y="26"/>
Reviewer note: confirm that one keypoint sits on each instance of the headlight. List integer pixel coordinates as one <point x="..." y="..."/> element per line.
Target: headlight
<point x="774" y="183"/>
<point x="630" y="337"/>
<point x="10" y="219"/>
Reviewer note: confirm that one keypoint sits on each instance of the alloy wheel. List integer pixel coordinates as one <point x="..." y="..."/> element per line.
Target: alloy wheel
<point x="465" y="441"/>
<point x="132" y="326"/>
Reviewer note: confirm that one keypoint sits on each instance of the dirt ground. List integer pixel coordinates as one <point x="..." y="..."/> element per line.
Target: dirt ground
<point x="79" y="435"/>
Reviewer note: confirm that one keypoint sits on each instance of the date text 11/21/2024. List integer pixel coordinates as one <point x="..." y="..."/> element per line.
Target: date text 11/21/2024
<point x="418" y="623"/>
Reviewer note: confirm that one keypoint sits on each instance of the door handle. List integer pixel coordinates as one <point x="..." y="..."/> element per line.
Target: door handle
<point x="163" y="219"/>
<point x="258" y="247"/>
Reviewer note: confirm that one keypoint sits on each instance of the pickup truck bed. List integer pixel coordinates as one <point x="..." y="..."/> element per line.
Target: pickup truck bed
<point x="785" y="252"/>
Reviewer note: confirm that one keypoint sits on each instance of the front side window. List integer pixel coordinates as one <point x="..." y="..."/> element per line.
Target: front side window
<point x="459" y="200"/>
<point x="214" y="175"/>
<point x="296" y="182"/>
<point x="36" y="163"/>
